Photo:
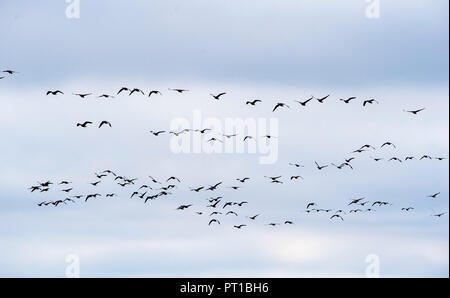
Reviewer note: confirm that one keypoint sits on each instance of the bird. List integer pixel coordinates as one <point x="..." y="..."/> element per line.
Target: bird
<point x="217" y="97"/>
<point x="278" y="105"/>
<point x="95" y="183"/>
<point x="370" y="101"/>
<point x="273" y="178"/>
<point x="182" y="207"/>
<point x="212" y="221"/>
<point x="91" y="196"/>
<point x="439" y="214"/>
<point x="123" y="89"/>
<point x="202" y="131"/>
<point x="67" y="190"/>
<point x="310" y="205"/>
<point x="84" y="124"/>
<point x="154" y="92"/>
<point x="212" y="140"/>
<point x="82" y="95"/>
<point x="197" y="189"/>
<point x="240" y="226"/>
<point x="387" y="144"/>
<point x="136" y="90"/>
<point x="231" y="212"/>
<point x="348" y="99"/>
<point x="288" y="222"/>
<point x="1" y="78"/>
<point x="396" y="159"/>
<point x="407" y="209"/>
<point x="235" y="187"/>
<point x="296" y="165"/>
<point x="227" y="204"/>
<point x="337" y="216"/>
<point x="434" y="195"/>
<point x="173" y="178"/>
<point x="105" y="96"/>
<point x="253" y="102"/>
<point x="368" y="146"/>
<point x="157" y="133"/>
<point x="320" y="167"/>
<point x="296" y="177"/>
<point x="179" y="90"/>
<point x="426" y="156"/>
<point x="213" y="205"/>
<point x="241" y="203"/>
<point x="56" y="92"/>
<point x="253" y="217"/>
<point x="409" y="158"/>
<point x="356" y="201"/>
<point x="8" y="71"/>
<point x="321" y="100"/>
<point x="154" y="180"/>
<point x="104" y="122"/>
<point x="414" y="112"/>
<point x="377" y="158"/>
<point x="243" y="179"/>
<point x="305" y="102"/>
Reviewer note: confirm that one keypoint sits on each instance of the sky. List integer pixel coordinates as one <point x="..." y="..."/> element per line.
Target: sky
<point x="275" y="52"/>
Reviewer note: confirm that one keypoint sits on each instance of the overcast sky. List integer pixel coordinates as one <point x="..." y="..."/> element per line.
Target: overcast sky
<point x="273" y="51"/>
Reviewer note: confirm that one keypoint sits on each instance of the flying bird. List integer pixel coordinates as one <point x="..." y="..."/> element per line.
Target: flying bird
<point x="82" y="95"/>
<point x="84" y="124"/>
<point x="212" y="221"/>
<point x="179" y="90"/>
<point x="434" y="195"/>
<point x="56" y="92"/>
<point x="370" y="101"/>
<point x="278" y="105"/>
<point x="414" y="112"/>
<point x="104" y="122"/>
<point x="320" y="167"/>
<point x="217" y="97"/>
<point x="322" y="99"/>
<point x="304" y="102"/>
<point x="348" y="99"/>
<point x="154" y="92"/>
<point x="253" y="102"/>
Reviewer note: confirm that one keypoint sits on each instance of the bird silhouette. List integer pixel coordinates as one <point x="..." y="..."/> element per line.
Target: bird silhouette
<point x="56" y="92"/>
<point x="414" y="112"/>
<point x="82" y="95"/>
<point x="179" y="90"/>
<point x="104" y="122"/>
<point x="369" y="101"/>
<point x="321" y="100"/>
<point x="217" y="97"/>
<point x="348" y="99"/>
<point x="84" y="124"/>
<point x="154" y="92"/>
<point x="278" y="105"/>
<point x="253" y="102"/>
<point x="304" y="102"/>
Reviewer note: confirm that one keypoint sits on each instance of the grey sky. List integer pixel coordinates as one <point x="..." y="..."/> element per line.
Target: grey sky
<point x="281" y="51"/>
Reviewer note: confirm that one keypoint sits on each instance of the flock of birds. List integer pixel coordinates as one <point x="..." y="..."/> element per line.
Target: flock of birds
<point x="217" y="206"/>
